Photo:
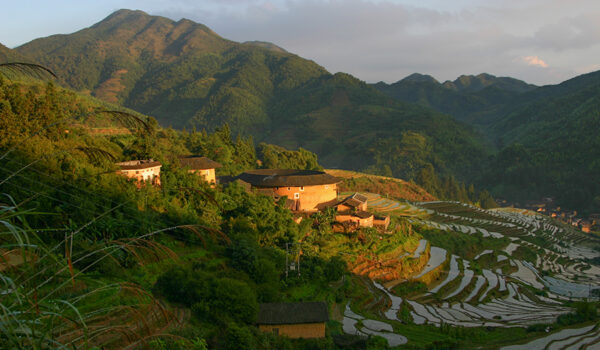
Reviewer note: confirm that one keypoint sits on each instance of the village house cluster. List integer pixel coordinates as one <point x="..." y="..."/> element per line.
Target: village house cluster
<point x="147" y="171"/>
<point x="309" y="191"/>
<point x="306" y="191"/>
<point x="547" y="206"/>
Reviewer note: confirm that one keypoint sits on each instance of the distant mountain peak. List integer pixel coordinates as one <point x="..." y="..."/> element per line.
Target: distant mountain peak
<point x="139" y="20"/>
<point x="420" y="78"/>
<point x="473" y="83"/>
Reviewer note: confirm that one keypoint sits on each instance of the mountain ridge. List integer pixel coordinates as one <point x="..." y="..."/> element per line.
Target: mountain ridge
<point x="188" y="77"/>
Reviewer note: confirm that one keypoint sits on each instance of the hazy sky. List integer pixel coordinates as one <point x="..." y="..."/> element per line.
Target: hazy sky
<point x="539" y="41"/>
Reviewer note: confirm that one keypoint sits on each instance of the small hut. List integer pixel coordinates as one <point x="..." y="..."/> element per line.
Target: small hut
<point x="295" y="320"/>
<point x="356" y="201"/>
<point x="202" y="166"/>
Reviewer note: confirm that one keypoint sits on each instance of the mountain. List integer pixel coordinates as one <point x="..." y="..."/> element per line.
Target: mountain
<point x="176" y="71"/>
<point x="186" y="75"/>
<point x="420" y="78"/>
<point x="474" y="83"/>
<point x="473" y="99"/>
<point x="545" y="137"/>
<point x="551" y="144"/>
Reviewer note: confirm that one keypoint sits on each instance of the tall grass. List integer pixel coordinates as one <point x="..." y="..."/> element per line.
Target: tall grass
<point x="47" y="301"/>
<point x="51" y="295"/>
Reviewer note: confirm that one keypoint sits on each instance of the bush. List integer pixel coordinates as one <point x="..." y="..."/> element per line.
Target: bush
<point x="235" y="299"/>
<point x="210" y="297"/>
<point x="239" y="337"/>
<point x="583" y="312"/>
<point x="334" y="269"/>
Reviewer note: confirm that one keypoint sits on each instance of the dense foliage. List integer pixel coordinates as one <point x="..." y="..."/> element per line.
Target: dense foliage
<point x="230" y="243"/>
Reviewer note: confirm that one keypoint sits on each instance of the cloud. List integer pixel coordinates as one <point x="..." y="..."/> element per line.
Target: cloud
<point x="388" y="40"/>
<point x="534" y="61"/>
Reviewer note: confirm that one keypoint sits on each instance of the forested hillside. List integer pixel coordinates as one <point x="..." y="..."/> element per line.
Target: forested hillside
<point x="551" y="145"/>
<point x="187" y="76"/>
<point x="545" y="138"/>
<point x="212" y="253"/>
<point x="473" y="99"/>
<point x="181" y="72"/>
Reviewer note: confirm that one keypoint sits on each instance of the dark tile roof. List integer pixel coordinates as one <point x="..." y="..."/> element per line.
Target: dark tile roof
<point x="138" y="164"/>
<point x="198" y="163"/>
<point x="293" y="313"/>
<point x="287" y="178"/>
<point x="354" y="200"/>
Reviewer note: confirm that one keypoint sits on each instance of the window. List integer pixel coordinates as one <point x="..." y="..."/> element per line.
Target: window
<point x="208" y="172"/>
<point x="301" y="188"/>
<point x="289" y="188"/>
<point x="296" y="195"/>
<point x="275" y="331"/>
<point x="137" y="171"/>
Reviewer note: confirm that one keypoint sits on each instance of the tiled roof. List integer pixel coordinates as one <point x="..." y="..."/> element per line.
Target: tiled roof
<point x="139" y="164"/>
<point x="287" y="177"/>
<point x="198" y="163"/>
<point x="293" y="313"/>
<point x="354" y="200"/>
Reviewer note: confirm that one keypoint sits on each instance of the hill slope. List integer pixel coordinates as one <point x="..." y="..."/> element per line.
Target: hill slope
<point x="187" y="76"/>
<point x="552" y="145"/>
<point x="545" y="136"/>
<point x="7" y="55"/>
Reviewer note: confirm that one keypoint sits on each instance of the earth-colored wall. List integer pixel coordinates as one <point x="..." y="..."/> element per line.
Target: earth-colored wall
<point x="208" y="175"/>
<point x="303" y="330"/>
<point x="366" y="222"/>
<point x="311" y="198"/>
<point x="150" y="175"/>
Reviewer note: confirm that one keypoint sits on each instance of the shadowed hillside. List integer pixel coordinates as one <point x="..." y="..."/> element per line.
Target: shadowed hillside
<point x="546" y="137"/>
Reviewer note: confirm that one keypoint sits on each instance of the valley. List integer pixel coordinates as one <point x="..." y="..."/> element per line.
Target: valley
<point x="163" y="187"/>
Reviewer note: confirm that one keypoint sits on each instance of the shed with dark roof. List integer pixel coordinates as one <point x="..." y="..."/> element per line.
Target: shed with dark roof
<point x="356" y="201"/>
<point x="202" y="166"/>
<point x="198" y="163"/>
<point x="295" y="320"/>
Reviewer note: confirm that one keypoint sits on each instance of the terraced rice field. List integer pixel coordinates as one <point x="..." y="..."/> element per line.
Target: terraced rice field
<point x="567" y="339"/>
<point x="494" y="287"/>
<point x="377" y="203"/>
<point x="356" y="324"/>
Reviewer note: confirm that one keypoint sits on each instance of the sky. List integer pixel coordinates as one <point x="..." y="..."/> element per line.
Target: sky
<point x="538" y="41"/>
